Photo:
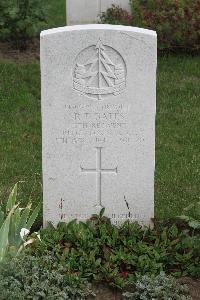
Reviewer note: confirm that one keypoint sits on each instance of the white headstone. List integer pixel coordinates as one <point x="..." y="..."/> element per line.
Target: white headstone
<point x="98" y="120"/>
<point x="88" y="11"/>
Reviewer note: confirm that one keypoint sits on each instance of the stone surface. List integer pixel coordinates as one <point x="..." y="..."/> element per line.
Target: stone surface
<point x="98" y="120"/>
<point x="88" y="11"/>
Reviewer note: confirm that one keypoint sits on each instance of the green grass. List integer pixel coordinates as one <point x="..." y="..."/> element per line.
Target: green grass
<point x="56" y="11"/>
<point x="177" y="135"/>
<point x="20" y="120"/>
<point x="20" y="129"/>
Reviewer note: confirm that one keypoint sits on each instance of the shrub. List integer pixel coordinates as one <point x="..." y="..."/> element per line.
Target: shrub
<point x="100" y="251"/>
<point x="30" y="277"/>
<point x="97" y="251"/>
<point x="177" y="22"/>
<point x="161" y="287"/>
<point x="116" y="15"/>
<point x="21" y="20"/>
<point x="191" y="214"/>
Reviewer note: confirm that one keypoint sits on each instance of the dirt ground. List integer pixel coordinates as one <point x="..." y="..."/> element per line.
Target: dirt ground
<point x="194" y="287"/>
<point x="30" y="54"/>
<point x="105" y="293"/>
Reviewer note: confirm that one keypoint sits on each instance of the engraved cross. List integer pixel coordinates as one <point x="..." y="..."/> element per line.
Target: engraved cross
<point x="99" y="171"/>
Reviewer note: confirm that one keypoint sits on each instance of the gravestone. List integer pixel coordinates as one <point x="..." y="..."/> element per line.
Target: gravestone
<point x="88" y="11"/>
<point x="98" y="122"/>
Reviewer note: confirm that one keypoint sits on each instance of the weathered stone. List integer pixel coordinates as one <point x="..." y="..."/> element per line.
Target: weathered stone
<point x="88" y="11"/>
<point x="98" y="119"/>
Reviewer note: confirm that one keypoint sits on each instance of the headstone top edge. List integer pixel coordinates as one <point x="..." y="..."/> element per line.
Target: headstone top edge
<point x="98" y="27"/>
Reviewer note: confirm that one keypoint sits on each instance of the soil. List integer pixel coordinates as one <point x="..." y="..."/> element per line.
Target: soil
<point x="194" y="287"/>
<point x="105" y="293"/>
<point x="32" y="52"/>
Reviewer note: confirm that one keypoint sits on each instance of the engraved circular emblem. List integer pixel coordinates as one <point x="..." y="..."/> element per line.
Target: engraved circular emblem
<point x="99" y="72"/>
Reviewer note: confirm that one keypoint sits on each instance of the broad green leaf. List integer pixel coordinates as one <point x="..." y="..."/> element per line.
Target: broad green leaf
<point x="18" y="221"/>
<point x="194" y="224"/>
<point x="23" y="218"/>
<point x="14" y="220"/>
<point x="71" y="223"/>
<point x="102" y="212"/>
<point x="12" y="251"/>
<point x="12" y="230"/>
<point x="16" y="216"/>
<point x="189" y="207"/>
<point x="1" y="217"/>
<point x="184" y="218"/>
<point x="4" y="232"/>
<point x="33" y="217"/>
<point x="174" y="230"/>
<point x="12" y="198"/>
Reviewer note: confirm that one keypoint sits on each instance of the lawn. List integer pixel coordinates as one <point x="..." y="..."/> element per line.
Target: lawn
<point x="56" y="12"/>
<point x="177" y="132"/>
<point x="177" y="135"/>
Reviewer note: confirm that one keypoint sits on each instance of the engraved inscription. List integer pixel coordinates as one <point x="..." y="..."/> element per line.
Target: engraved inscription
<point x="117" y="218"/>
<point x="99" y="71"/>
<point x="99" y="171"/>
<point x="96" y="124"/>
<point x="61" y="207"/>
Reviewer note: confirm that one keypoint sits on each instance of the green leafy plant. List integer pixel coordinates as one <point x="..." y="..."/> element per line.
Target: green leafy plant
<point x="116" y="15"/>
<point x="30" y="277"/>
<point x="99" y="251"/>
<point x="4" y="233"/>
<point x="159" y="287"/>
<point x="13" y="220"/>
<point x="175" y="21"/>
<point x="21" y="20"/>
<point x="191" y="214"/>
